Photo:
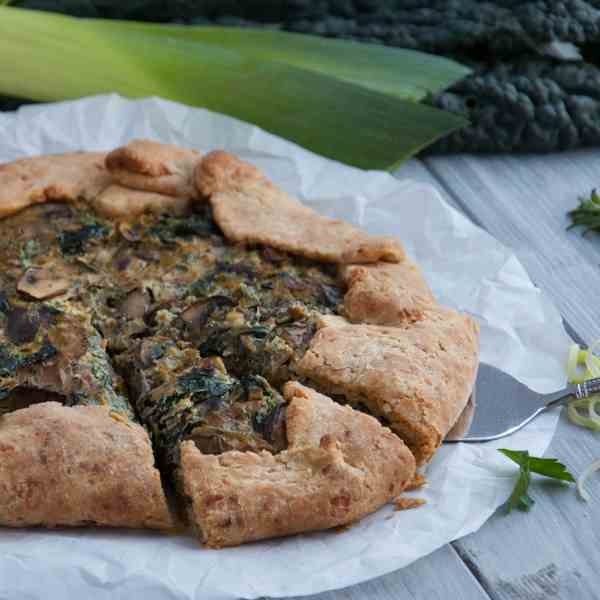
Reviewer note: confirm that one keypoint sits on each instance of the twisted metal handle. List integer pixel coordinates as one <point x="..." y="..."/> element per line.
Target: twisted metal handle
<point x="587" y="388"/>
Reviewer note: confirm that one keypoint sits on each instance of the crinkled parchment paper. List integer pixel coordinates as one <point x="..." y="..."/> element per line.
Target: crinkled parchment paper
<point x="521" y="332"/>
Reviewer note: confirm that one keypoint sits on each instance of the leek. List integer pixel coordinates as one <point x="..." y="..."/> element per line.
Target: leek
<point x="45" y="56"/>
<point x="400" y="72"/>
<point x="591" y="363"/>
<point x="589" y="470"/>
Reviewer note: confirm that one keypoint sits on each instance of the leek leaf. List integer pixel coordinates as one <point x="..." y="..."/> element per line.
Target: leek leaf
<point x="44" y="56"/>
<point x="397" y="71"/>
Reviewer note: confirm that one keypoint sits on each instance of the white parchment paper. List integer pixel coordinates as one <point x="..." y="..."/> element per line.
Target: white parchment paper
<point x="521" y="333"/>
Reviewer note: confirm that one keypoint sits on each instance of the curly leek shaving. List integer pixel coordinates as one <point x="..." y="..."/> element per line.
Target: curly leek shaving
<point x="583" y="365"/>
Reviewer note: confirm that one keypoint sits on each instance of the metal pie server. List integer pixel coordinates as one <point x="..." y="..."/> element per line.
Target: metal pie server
<point x="501" y="405"/>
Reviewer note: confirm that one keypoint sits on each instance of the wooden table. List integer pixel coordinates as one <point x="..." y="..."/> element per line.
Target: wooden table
<point x="554" y="551"/>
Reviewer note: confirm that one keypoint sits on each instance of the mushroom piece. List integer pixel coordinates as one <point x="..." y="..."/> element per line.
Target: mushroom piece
<point x="198" y="314"/>
<point x="131" y="232"/>
<point x="136" y="303"/>
<point x="42" y="284"/>
<point x="21" y="326"/>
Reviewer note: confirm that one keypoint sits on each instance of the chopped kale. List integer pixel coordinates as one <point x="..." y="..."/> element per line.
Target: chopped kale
<point x="46" y="352"/>
<point x="332" y="296"/>
<point x="74" y="242"/>
<point x="204" y="384"/>
<point x="8" y="362"/>
<point x="170" y="228"/>
<point x="259" y="333"/>
<point x="29" y="250"/>
<point x="4" y="303"/>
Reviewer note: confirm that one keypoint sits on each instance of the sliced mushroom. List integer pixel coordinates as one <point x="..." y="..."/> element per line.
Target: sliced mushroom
<point x="274" y="427"/>
<point x="131" y="232"/>
<point x="136" y="304"/>
<point x="21" y="326"/>
<point x="198" y="314"/>
<point x="42" y="284"/>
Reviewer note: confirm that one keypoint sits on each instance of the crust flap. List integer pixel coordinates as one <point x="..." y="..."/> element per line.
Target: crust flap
<point x="340" y="466"/>
<point x="119" y="202"/>
<point x="386" y="293"/>
<point x="77" y="466"/>
<point x="58" y="178"/>
<point x="251" y="210"/>
<point x="418" y="377"/>
<point x="154" y="167"/>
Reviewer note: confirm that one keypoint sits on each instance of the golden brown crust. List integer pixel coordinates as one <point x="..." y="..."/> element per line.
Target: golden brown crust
<point x="77" y="466"/>
<point x="340" y="466"/>
<point x="219" y="171"/>
<point x="154" y="167"/>
<point x="386" y="293"/>
<point x="251" y="210"/>
<point x="53" y="178"/>
<point x="119" y="202"/>
<point x="418" y="376"/>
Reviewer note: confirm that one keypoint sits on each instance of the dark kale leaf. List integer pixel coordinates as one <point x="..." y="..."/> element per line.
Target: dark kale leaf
<point x="170" y="228"/>
<point x="74" y="242"/>
<point x="332" y="296"/>
<point x="204" y="384"/>
<point x="258" y="332"/>
<point x="4" y="303"/>
<point x="46" y="352"/>
<point x="8" y="362"/>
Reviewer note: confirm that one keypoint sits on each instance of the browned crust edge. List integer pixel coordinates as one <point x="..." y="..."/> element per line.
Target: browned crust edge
<point x="73" y="466"/>
<point x="340" y="466"/>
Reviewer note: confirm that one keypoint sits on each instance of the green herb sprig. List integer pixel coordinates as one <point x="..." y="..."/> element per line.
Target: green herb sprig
<point x="587" y="214"/>
<point x="549" y="467"/>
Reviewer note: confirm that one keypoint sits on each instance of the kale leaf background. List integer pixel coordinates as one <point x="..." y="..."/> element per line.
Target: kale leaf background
<point x="522" y="96"/>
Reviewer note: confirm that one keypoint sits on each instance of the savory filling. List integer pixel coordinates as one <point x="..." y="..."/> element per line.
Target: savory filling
<point x="181" y="396"/>
<point x="193" y="330"/>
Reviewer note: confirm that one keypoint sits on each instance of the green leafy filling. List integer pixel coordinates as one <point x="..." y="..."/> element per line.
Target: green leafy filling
<point x="171" y="228"/>
<point x="74" y="242"/>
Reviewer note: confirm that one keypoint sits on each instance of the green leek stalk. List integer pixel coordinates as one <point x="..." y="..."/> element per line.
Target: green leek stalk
<point x="308" y="99"/>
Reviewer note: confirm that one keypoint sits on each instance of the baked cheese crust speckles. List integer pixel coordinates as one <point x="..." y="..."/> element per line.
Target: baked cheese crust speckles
<point x="252" y="210"/>
<point x="386" y="293"/>
<point x="71" y="177"/>
<point x="417" y="377"/>
<point x="340" y="465"/>
<point x="77" y="466"/>
<point x="154" y="167"/>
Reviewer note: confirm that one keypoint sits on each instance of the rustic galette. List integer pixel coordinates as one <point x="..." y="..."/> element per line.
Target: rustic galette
<point x="175" y="321"/>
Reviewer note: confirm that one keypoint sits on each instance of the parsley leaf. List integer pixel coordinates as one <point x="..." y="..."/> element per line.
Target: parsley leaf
<point x="549" y="467"/>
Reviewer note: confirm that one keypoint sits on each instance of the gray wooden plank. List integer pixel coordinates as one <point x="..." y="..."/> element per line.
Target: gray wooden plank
<point x="552" y="551"/>
<point x="523" y="201"/>
<point x="442" y="574"/>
